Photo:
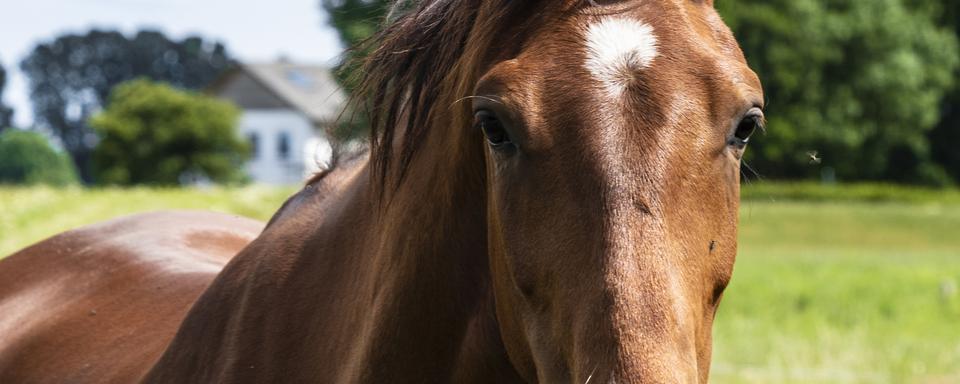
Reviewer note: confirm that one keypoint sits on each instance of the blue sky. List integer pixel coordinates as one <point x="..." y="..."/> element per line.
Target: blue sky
<point x="253" y="30"/>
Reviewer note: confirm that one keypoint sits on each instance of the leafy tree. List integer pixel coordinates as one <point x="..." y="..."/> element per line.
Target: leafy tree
<point x="858" y="81"/>
<point x="354" y="21"/>
<point x="945" y="138"/>
<point x="151" y="133"/>
<point x="27" y="158"/>
<point x="72" y="76"/>
<point x="6" y="113"/>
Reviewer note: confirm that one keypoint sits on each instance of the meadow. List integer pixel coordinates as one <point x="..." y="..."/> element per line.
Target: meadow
<point x="843" y="289"/>
<point x="853" y="284"/>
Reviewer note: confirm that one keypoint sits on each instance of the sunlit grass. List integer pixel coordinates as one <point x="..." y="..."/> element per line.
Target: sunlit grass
<point x="851" y="284"/>
<point x="843" y="293"/>
<point x="28" y="215"/>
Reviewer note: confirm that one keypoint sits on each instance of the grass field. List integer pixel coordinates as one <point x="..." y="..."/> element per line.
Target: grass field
<point x="832" y="285"/>
<point x="843" y="292"/>
<point x="28" y="215"/>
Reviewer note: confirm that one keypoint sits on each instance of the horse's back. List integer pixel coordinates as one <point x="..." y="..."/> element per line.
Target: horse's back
<point x="100" y="303"/>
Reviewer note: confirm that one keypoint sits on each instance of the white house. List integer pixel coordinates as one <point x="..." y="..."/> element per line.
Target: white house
<point x="287" y="110"/>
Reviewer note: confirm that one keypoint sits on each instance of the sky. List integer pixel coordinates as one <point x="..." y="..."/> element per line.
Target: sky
<point x="252" y="30"/>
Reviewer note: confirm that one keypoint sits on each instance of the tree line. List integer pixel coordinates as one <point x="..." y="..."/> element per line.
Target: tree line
<point x="126" y="111"/>
<point x="868" y="84"/>
<point x="6" y="113"/>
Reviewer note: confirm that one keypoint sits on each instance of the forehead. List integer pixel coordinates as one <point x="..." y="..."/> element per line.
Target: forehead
<point x="656" y="40"/>
<point x="617" y="47"/>
<point x="629" y="69"/>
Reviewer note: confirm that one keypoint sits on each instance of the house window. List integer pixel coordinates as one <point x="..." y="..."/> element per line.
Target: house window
<point x="254" y="140"/>
<point x="300" y="79"/>
<point x="283" y="146"/>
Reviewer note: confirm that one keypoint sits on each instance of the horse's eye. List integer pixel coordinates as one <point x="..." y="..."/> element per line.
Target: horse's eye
<point x="492" y="128"/>
<point x="750" y="123"/>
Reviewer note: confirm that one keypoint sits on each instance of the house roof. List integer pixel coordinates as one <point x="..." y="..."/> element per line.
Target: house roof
<point x="309" y="89"/>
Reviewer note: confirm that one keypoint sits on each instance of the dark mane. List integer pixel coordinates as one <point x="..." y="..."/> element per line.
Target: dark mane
<point x="405" y="72"/>
<point x="413" y="66"/>
<point x="416" y="62"/>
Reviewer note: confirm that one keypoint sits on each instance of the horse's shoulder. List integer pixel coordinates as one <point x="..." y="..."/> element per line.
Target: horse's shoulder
<point x="292" y="276"/>
<point x="117" y="288"/>
<point x="156" y="237"/>
<point x="324" y="191"/>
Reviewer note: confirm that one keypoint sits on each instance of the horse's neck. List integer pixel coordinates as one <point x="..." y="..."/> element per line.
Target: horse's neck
<point x="429" y="274"/>
<point x="345" y="287"/>
<point x="416" y="267"/>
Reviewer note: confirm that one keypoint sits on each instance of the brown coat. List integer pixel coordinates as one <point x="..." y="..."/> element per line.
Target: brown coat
<point x="551" y="196"/>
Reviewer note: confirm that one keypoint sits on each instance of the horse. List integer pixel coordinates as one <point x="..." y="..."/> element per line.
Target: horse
<point x="550" y="194"/>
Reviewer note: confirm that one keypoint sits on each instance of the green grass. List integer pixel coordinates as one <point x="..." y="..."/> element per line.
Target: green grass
<point x="852" y="284"/>
<point x="842" y="292"/>
<point x="862" y="192"/>
<point x="28" y="215"/>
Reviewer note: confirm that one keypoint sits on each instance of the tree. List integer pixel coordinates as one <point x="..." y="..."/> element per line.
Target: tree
<point x="72" y="76"/>
<point x="151" y="133"/>
<point x="945" y="137"/>
<point x="858" y="81"/>
<point x="27" y="158"/>
<point x="354" y="21"/>
<point x="6" y="113"/>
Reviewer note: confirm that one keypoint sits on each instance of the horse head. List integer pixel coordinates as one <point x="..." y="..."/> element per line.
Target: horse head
<point x="608" y="136"/>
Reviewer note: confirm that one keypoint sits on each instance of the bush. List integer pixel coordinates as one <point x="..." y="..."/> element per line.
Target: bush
<point x="861" y="82"/>
<point x="154" y="134"/>
<point x="27" y="158"/>
<point x="779" y="191"/>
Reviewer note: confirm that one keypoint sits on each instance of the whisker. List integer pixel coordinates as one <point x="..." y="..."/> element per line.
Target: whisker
<point x="403" y="51"/>
<point x="745" y="177"/>
<point x="488" y="98"/>
<point x="755" y="173"/>
<point x="590" y="377"/>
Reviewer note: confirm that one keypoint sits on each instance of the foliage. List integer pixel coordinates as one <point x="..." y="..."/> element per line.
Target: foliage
<point x="27" y="158"/>
<point x="6" y="113"/>
<point x="354" y="21"/>
<point x="858" y="192"/>
<point x="72" y="76"/>
<point x="945" y="138"/>
<point x="860" y="82"/>
<point x="152" y="133"/>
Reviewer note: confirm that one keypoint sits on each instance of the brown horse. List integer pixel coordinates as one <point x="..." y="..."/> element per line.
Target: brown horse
<point x="550" y="196"/>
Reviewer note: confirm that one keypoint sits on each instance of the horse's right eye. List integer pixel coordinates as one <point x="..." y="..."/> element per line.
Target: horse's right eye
<point x="747" y="127"/>
<point x="492" y="128"/>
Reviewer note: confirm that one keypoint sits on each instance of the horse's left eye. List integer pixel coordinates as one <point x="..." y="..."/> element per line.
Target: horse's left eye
<point x="492" y="128"/>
